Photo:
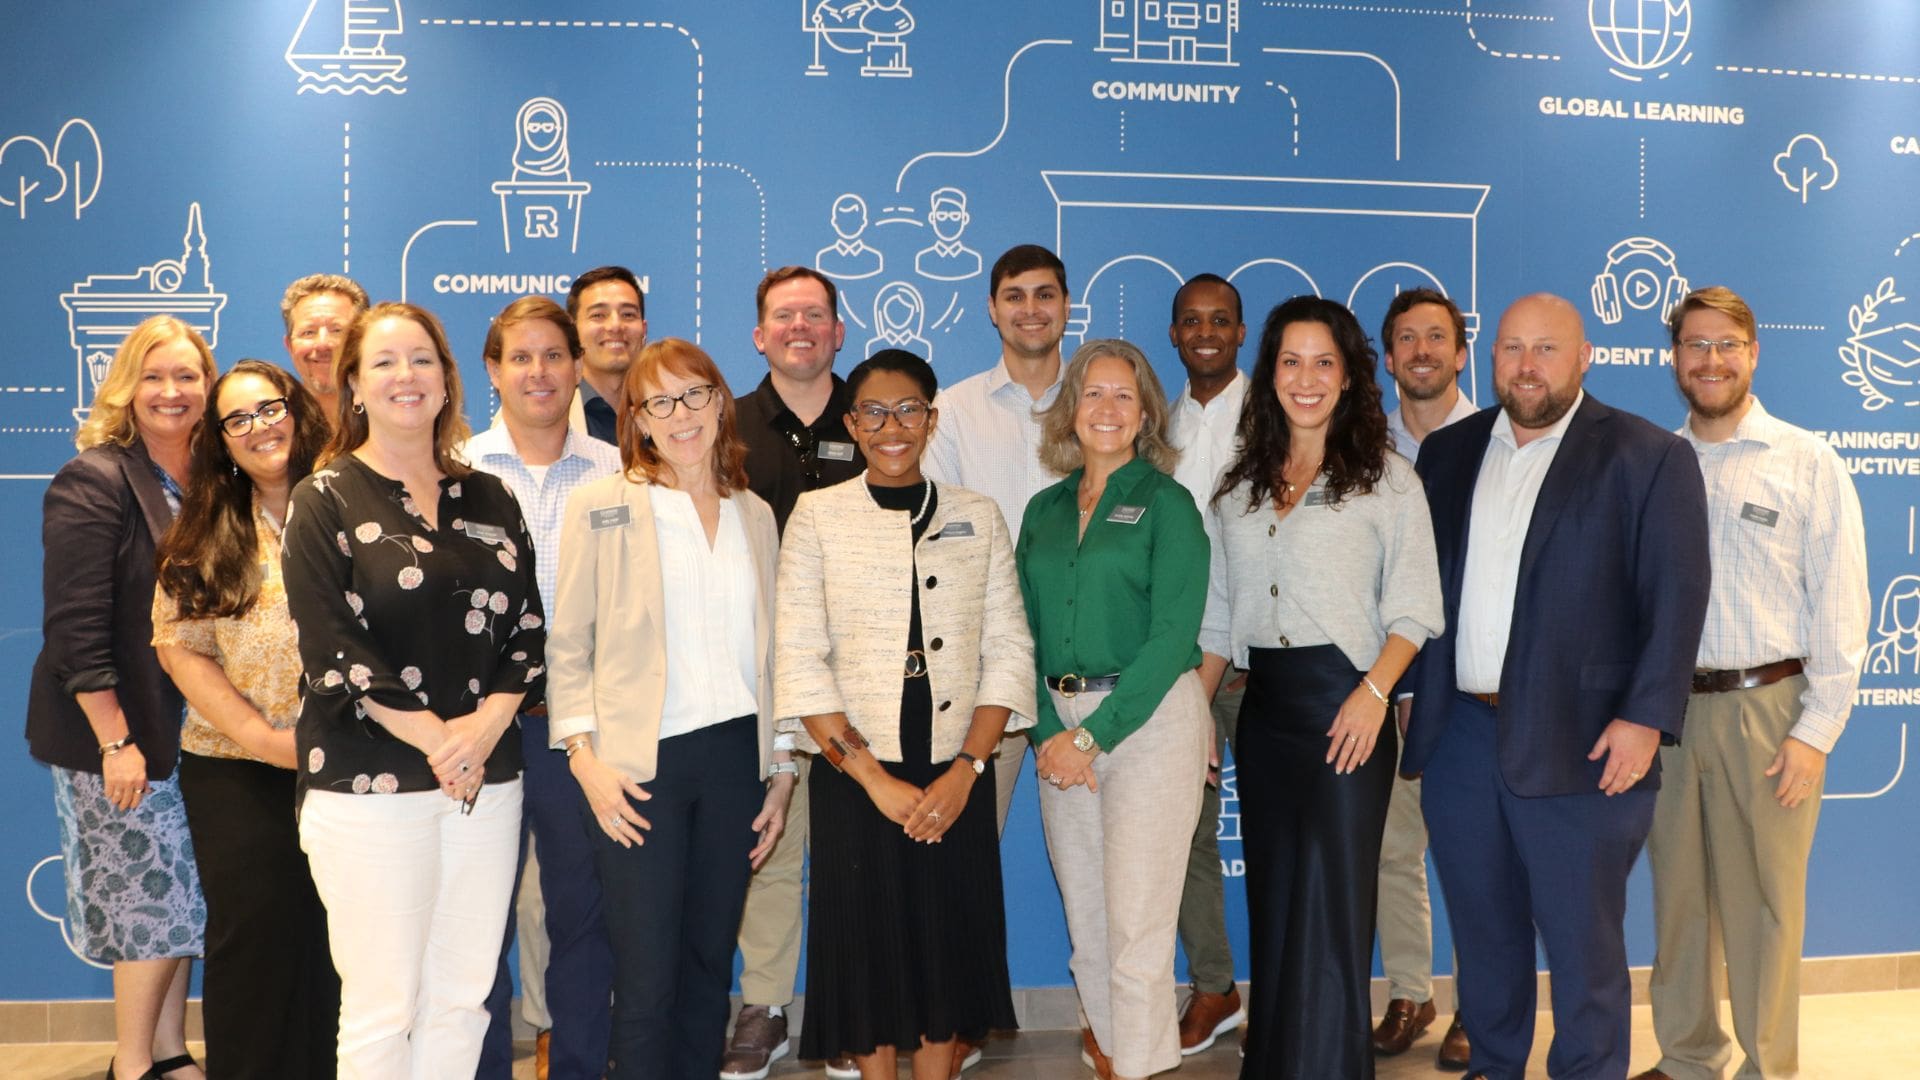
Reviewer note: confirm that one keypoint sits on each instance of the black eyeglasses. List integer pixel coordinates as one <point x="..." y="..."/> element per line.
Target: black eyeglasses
<point x="695" y="398"/>
<point x="240" y="423"/>
<point x="872" y="416"/>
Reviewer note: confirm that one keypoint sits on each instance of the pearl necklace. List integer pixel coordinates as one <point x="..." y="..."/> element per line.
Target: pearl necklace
<point x="926" y="499"/>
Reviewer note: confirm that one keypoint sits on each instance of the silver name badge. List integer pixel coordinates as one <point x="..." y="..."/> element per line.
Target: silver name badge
<point x="1127" y="515"/>
<point x="610" y="517"/>
<point x="1760" y="515"/>
<point x="492" y="534"/>
<point x="954" y="529"/>
<point x="1314" y="498"/>
<point x="835" y="451"/>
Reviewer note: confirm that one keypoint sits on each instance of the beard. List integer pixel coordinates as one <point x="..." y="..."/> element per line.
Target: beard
<point x="1542" y="414"/>
<point x="1714" y="410"/>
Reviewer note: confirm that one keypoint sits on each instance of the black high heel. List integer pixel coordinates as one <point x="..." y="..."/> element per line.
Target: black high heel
<point x="162" y="1068"/>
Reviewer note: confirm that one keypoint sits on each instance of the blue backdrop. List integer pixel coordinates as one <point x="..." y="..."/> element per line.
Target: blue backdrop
<point x="194" y="158"/>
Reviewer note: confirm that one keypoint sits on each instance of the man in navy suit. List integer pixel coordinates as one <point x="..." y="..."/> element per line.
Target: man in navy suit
<point x="1573" y="556"/>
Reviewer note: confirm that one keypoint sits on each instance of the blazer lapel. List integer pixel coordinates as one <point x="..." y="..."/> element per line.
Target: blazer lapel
<point x="138" y="469"/>
<point x="643" y="551"/>
<point x="1566" y="475"/>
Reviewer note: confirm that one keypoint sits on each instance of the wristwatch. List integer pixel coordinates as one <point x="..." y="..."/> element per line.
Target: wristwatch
<point x="1083" y="741"/>
<point x="779" y="767"/>
<point x="977" y="765"/>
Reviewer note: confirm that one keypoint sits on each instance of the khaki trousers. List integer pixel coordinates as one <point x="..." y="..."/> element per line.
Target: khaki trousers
<point x="1008" y="759"/>
<point x="1203" y="910"/>
<point x="1729" y="885"/>
<point x="770" y="924"/>
<point x="1119" y="856"/>
<point x="1405" y="915"/>
<point x="530" y="937"/>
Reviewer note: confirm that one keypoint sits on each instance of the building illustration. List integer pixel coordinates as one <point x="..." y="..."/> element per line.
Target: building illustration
<point x="1169" y="31"/>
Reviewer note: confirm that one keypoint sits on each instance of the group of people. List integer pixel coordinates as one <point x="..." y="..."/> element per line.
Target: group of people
<point x="654" y="626"/>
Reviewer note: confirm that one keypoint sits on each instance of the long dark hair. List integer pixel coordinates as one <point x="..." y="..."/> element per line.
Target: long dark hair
<point x="1357" y="439"/>
<point x="209" y="561"/>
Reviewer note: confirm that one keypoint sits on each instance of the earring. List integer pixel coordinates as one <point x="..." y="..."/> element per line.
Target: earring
<point x="235" y="466"/>
<point x="358" y="408"/>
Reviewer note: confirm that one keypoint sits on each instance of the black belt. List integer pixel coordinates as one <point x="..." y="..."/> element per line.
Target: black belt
<point x="1073" y="685"/>
<point x="1721" y="682"/>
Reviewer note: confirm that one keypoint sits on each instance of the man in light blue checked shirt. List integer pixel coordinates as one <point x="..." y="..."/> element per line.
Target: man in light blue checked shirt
<point x="533" y="360"/>
<point x="1779" y="660"/>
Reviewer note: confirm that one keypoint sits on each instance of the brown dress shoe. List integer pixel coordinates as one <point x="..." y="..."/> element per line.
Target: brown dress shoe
<point x="966" y="1054"/>
<point x="1206" y="1017"/>
<point x="1101" y="1065"/>
<point x="843" y="1067"/>
<point x="542" y="1045"/>
<point x="1651" y="1074"/>
<point x="759" y="1039"/>
<point x="1403" y="1023"/>
<point x="1455" y="1051"/>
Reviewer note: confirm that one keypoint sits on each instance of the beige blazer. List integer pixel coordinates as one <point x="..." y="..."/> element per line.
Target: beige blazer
<point x="606" y="631"/>
<point x="845" y="606"/>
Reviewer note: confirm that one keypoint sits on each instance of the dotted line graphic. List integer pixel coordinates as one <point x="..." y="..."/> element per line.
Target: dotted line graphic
<point x="1902" y="246"/>
<point x="759" y="192"/>
<point x="346" y="198"/>
<point x="1849" y="76"/>
<point x="1496" y="52"/>
<point x="36" y="431"/>
<point x="1385" y="9"/>
<point x="1790" y="326"/>
<point x="1294" y="103"/>
<point x="1123" y="310"/>
<point x="1643" y="178"/>
<point x="33" y="389"/>
<point x="699" y="120"/>
<point x="1123" y="131"/>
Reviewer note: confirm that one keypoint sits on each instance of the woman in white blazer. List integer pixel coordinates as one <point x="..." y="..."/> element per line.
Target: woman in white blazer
<point x="903" y="656"/>
<point x="658" y="688"/>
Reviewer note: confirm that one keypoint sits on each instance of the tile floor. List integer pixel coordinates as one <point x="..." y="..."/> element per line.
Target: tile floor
<point x="1869" y="1036"/>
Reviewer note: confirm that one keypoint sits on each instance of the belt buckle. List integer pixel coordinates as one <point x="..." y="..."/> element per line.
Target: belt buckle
<point x="1071" y="685"/>
<point x="916" y="664"/>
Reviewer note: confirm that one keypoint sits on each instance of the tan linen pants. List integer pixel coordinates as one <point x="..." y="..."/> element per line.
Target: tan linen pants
<point x="1405" y="915"/>
<point x="770" y="924"/>
<point x="1726" y="854"/>
<point x="1008" y="758"/>
<point x="1120" y="856"/>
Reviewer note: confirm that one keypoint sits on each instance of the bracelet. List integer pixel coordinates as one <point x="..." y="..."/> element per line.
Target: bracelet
<point x="576" y="744"/>
<point x="1375" y="691"/>
<point x="791" y="768"/>
<point x="842" y="746"/>
<point x="114" y="747"/>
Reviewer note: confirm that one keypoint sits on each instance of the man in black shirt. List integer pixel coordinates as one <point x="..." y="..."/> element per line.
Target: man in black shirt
<point x="611" y="312"/>
<point x="797" y="440"/>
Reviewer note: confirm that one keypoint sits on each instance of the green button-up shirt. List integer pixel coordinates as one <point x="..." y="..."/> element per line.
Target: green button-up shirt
<point x="1126" y="599"/>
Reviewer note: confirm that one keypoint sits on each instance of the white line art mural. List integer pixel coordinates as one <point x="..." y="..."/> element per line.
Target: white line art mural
<point x="849" y="257"/>
<point x="1169" y="31"/>
<point x="1882" y="362"/>
<point x="57" y="916"/>
<point x="542" y="201"/>
<point x="874" y="29"/>
<point x="340" y="47"/>
<point x="104" y="309"/>
<point x="900" y="321"/>
<point x="947" y="259"/>
<point x="1641" y="274"/>
<point x="35" y="174"/>
<point x="1805" y="163"/>
<point x="1642" y="37"/>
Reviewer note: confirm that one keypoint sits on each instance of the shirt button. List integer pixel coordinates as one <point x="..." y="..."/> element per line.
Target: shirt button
<point x="945" y="705"/>
<point x="1273" y="590"/>
<point x="1069" y="564"/>
<point x="934" y="645"/>
<point x="1271" y="529"/>
<point x="1284" y="643"/>
<point x="1069" y="601"/>
<point x="932" y="581"/>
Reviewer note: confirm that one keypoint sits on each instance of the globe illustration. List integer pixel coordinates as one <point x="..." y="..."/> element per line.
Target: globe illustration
<point x="1640" y="35"/>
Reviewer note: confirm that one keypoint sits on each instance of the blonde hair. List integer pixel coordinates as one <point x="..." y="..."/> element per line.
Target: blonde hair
<point x="111" y="418"/>
<point x="1712" y="298"/>
<point x="1060" y="447"/>
<point x="350" y="424"/>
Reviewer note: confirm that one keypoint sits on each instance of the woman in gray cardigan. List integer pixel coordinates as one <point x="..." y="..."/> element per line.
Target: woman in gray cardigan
<point x="1324" y="585"/>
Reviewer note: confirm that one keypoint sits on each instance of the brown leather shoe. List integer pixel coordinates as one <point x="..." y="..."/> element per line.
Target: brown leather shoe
<point x="843" y="1067"/>
<point x="1455" y="1052"/>
<point x="1090" y="1054"/>
<point x="759" y="1039"/>
<point x="1206" y="1017"/>
<point x="966" y="1054"/>
<point x="542" y="1045"/>
<point x="1403" y="1023"/>
<point x="1651" y="1074"/>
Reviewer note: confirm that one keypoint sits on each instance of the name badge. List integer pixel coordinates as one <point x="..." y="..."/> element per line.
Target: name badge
<point x="834" y="451"/>
<point x="1127" y="515"/>
<point x="954" y="529"/>
<point x="610" y="517"/>
<point x="492" y="534"/>
<point x="1314" y="498"/>
<point x="1760" y="515"/>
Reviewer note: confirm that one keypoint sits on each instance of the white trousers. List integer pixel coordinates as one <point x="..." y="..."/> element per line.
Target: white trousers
<point x="417" y="896"/>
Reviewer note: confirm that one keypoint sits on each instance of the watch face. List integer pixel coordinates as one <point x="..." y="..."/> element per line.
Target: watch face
<point x="1082" y="740"/>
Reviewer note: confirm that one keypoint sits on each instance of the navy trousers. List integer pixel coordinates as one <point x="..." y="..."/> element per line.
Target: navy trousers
<point x="1511" y="866"/>
<point x="579" y="959"/>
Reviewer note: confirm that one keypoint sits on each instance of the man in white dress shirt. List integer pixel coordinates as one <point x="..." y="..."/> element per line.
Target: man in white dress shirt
<point x="989" y="436"/>
<point x="1779" y="660"/>
<point x="1207" y="332"/>
<point x="1424" y="338"/>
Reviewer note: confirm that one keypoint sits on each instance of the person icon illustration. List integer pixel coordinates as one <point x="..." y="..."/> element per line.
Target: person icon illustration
<point x="1897" y="652"/>
<point x="849" y="258"/>
<point x="887" y="23"/>
<point x="947" y="259"/>
<point x="899" y="317"/>
<point x="540" y="141"/>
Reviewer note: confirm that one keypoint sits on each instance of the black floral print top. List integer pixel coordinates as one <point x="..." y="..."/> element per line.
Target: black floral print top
<point x="406" y="616"/>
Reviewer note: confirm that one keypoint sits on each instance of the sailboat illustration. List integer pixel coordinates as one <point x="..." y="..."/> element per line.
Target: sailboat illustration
<point x="340" y="48"/>
<point x="104" y="309"/>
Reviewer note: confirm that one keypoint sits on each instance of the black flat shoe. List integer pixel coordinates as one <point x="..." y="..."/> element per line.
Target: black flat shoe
<point x="162" y="1068"/>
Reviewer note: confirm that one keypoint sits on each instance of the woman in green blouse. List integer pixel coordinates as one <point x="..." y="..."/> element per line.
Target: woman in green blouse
<point x="1113" y="567"/>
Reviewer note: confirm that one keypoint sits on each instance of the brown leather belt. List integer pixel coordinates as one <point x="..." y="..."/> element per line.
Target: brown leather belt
<point x="537" y="710"/>
<point x="1720" y="682"/>
<point x="1489" y="700"/>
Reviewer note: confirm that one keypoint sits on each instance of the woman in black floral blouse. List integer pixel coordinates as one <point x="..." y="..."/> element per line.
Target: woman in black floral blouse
<point x="410" y="578"/>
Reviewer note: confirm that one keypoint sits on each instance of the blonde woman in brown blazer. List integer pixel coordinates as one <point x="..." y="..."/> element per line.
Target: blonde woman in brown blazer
<point x="659" y="689"/>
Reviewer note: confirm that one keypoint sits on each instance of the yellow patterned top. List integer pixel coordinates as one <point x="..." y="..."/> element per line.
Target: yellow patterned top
<point x="259" y="651"/>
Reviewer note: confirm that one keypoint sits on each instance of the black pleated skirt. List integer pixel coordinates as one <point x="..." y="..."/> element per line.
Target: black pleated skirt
<point x="904" y="940"/>
<point x="1312" y="843"/>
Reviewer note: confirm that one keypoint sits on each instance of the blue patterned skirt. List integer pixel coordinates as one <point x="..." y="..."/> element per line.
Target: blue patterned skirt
<point x="132" y="890"/>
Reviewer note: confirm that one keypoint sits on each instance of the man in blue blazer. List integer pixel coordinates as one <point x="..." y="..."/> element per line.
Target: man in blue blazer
<point x="1573" y="556"/>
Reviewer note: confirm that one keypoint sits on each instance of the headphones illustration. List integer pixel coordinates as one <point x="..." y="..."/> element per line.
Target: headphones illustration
<point x="1644" y="259"/>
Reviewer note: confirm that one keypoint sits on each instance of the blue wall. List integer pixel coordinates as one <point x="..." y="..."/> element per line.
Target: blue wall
<point x="1601" y="150"/>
